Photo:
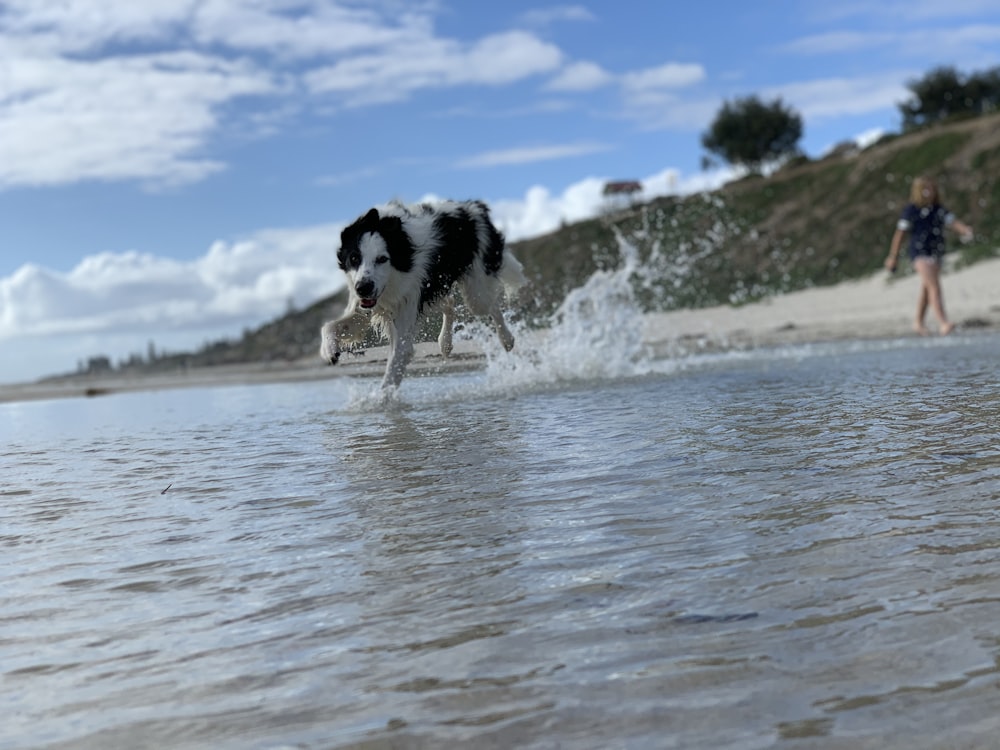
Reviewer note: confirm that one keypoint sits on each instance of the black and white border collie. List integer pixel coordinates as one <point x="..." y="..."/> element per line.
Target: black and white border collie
<point x="403" y="261"/>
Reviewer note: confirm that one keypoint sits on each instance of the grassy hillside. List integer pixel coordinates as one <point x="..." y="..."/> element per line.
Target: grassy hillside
<point x="813" y="223"/>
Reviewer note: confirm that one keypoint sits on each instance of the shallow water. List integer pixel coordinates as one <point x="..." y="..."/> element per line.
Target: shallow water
<point x="793" y="548"/>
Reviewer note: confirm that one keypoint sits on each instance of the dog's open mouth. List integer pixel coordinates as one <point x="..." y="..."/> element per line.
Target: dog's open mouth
<point x="368" y="303"/>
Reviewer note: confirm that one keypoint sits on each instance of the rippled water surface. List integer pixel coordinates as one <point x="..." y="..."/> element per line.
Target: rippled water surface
<point x="796" y="548"/>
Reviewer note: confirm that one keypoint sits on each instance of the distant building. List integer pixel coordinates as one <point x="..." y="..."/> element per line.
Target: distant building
<point x="621" y="193"/>
<point x="97" y="365"/>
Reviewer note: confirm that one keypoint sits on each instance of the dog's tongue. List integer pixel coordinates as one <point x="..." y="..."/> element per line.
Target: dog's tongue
<point x="367" y="303"/>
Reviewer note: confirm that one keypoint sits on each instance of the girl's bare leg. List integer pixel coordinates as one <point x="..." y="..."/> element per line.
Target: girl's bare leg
<point x="918" y="322"/>
<point x="930" y="277"/>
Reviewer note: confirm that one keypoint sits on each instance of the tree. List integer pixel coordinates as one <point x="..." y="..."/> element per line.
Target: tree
<point x="944" y="93"/>
<point x="984" y="90"/>
<point x="936" y="96"/>
<point x="747" y="132"/>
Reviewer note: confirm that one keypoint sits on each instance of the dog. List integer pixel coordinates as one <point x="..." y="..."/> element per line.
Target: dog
<point x="404" y="261"/>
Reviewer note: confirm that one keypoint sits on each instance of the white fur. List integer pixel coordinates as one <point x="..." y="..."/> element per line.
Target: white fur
<point x="392" y="300"/>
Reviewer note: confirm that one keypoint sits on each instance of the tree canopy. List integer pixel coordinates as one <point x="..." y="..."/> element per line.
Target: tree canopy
<point x="750" y="133"/>
<point x="944" y="92"/>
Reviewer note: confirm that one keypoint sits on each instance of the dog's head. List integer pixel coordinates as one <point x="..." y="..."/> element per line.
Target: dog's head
<point x="370" y="249"/>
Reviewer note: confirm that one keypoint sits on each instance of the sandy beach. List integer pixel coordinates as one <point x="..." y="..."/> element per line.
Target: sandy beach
<point x="881" y="306"/>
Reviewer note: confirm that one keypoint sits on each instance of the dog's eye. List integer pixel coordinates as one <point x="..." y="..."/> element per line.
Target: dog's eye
<point x="354" y="259"/>
<point x="381" y="259"/>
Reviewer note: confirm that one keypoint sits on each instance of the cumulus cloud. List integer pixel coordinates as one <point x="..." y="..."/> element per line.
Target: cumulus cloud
<point x="831" y="97"/>
<point x="244" y="280"/>
<point x="121" y="90"/>
<point x="580" y="76"/>
<point x="393" y="74"/>
<point x="668" y="76"/>
<point x="79" y="26"/>
<point x="869" y="137"/>
<point x="652" y="97"/>
<point x="122" y="118"/>
<point x="317" y="30"/>
<point x="541" y="211"/>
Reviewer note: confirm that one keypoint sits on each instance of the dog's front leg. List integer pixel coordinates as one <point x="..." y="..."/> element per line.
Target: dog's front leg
<point x="349" y="327"/>
<point x="447" y="322"/>
<point x="506" y="337"/>
<point x="401" y="335"/>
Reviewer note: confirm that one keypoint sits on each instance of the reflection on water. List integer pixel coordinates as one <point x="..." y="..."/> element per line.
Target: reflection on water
<point x="796" y="548"/>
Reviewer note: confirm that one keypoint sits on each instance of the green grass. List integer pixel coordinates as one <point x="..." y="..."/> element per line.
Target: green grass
<point x="927" y="157"/>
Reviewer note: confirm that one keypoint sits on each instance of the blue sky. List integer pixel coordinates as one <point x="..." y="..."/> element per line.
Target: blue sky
<point x="175" y="171"/>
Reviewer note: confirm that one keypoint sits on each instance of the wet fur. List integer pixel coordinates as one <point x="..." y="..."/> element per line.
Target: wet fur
<point x="404" y="261"/>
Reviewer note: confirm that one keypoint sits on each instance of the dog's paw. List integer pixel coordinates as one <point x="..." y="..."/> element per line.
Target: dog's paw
<point x="329" y="349"/>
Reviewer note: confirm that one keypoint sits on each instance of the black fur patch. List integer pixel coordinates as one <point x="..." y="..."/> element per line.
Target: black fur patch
<point x="398" y="242"/>
<point x="457" y="245"/>
<point x="493" y="252"/>
<point x="348" y="256"/>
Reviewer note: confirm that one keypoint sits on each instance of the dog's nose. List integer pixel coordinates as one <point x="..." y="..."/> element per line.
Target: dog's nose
<point x="365" y="288"/>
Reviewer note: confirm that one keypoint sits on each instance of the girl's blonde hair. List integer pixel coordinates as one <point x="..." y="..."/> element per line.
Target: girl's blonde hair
<point x="924" y="192"/>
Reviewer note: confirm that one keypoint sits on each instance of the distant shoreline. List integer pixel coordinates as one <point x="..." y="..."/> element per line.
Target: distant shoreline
<point x="879" y="307"/>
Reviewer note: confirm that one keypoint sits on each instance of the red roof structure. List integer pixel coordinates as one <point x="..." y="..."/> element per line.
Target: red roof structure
<point x="622" y="187"/>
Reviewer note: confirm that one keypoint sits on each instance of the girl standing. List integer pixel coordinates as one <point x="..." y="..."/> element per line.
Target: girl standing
<point x="925" y="219"/>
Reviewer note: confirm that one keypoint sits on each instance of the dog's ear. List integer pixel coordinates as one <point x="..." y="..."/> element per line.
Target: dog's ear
<point x="397" y="241"/>
<point x="350" y="235"/>
<point x="390" y="225"/>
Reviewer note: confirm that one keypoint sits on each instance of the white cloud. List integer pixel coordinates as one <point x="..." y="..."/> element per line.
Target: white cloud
<point x="76" y="26"/>
<point x="580" y="76"/>
<point x="663" y="111"/>
<point x="669" y="76"/>
<point x="868" y="137"/>
<point x="837" y="42"/>
<point x="651" y="97"/>
<point x="316" y="29"/>
<point x="120" y="118"/>
<point x="540" y="211"/>
<point x="90" y="89"/>
<point x="529" y="154"/>
<point x="393" y="74"/>
<point x="835" y="97"/>
<point x="116" y="90"/>
<point x="234" y="282"/>
<point x="71" y="110"/>
<point x="547" y="16"/>
<point x="962" y="42"/>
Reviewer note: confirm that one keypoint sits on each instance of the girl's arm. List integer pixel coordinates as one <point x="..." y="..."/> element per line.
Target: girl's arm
<point x="893" y="259"/>
<point x="963" y="229"/>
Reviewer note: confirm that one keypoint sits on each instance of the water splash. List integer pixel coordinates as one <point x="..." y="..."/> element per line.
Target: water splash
<point x="596" y="333"/>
